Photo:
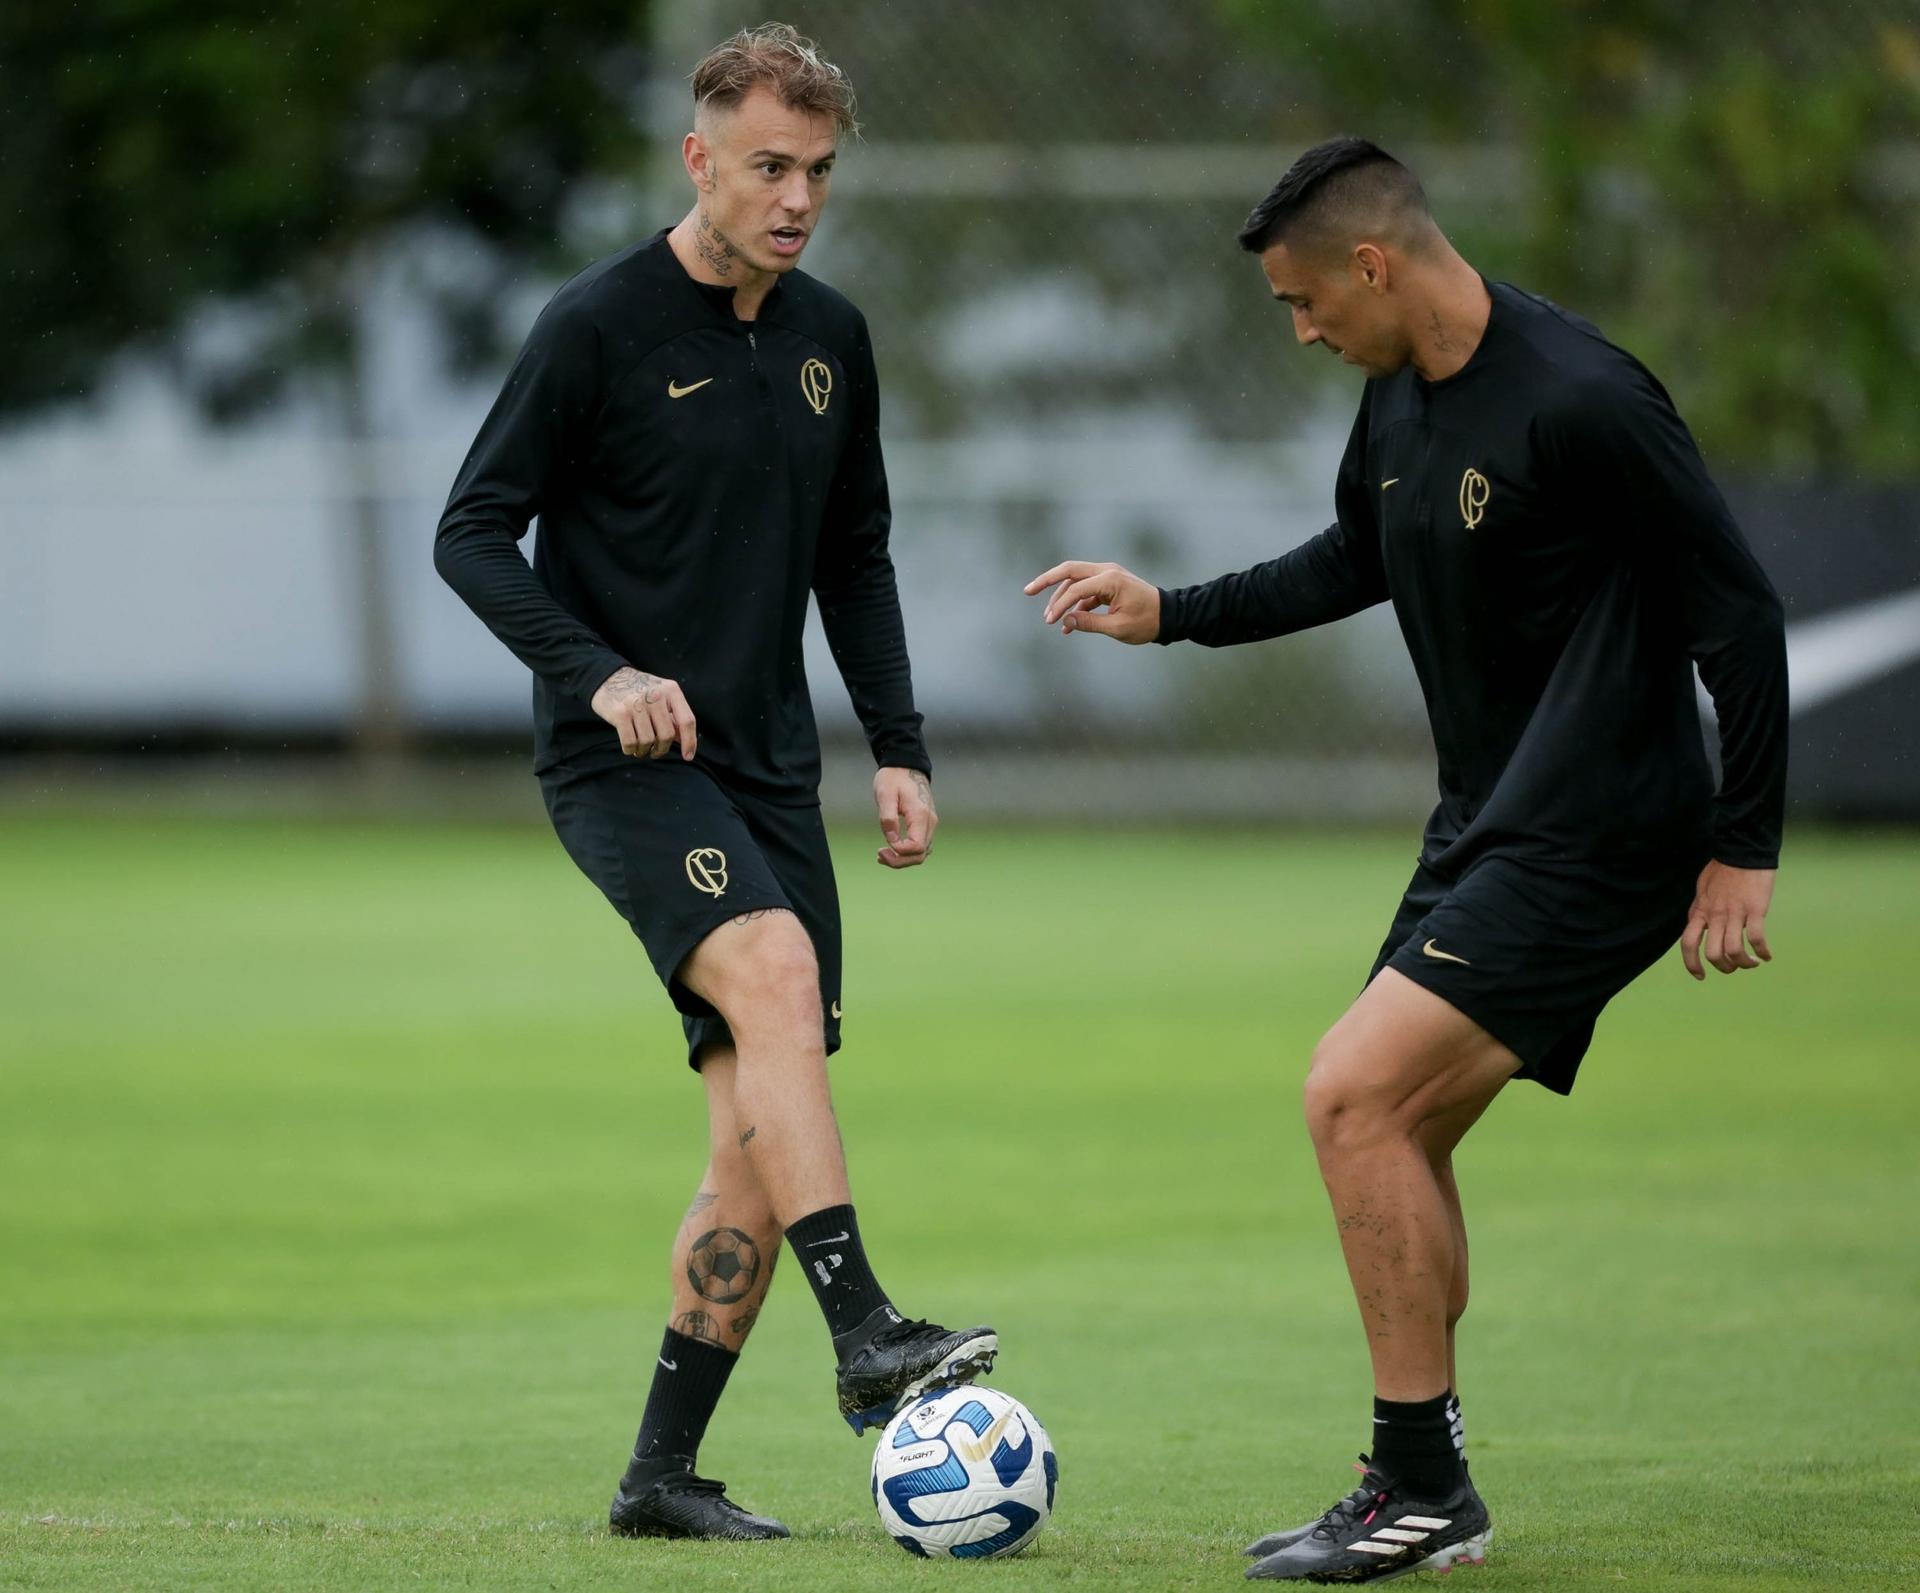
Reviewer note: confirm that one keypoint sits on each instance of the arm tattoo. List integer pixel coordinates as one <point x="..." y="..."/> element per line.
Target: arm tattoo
<point x="715" y="247"/>
<point x="723" y="1265"/>
<point x="744" y="1320"/>
<point x="747" y="1135"/>
<point x="701" y="1201"/>
<point x="698" y="1325"/>
<point x="758" y="913"/>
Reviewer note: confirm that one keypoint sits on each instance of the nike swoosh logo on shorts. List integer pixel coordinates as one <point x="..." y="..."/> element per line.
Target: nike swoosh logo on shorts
<point x="1444" y="956"/>
<point x="837" y="1239"/>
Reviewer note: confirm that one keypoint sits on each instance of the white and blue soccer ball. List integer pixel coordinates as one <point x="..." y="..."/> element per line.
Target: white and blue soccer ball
<point x="966" y="1474"/>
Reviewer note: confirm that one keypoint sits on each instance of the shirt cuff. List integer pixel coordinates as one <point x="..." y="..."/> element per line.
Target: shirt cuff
<point x="1173" y="617"/>
<point x="902" y="755"/>
<point x="595" y="671"/>
<point x="1733" y="856"/>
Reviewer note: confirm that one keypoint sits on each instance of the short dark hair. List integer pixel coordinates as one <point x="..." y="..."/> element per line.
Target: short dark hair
<point x="1340" y="183"/>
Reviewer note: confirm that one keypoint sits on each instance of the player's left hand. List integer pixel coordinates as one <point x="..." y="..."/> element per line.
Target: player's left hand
<point x="1729" y="915"/>
<point x="905" y="800"/>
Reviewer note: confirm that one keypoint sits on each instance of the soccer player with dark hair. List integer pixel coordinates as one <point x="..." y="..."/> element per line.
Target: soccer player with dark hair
<point x="695" y="422"/>
<point x="1525" y="495"/>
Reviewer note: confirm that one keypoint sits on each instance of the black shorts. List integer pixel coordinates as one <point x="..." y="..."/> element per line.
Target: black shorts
<point x="1533" y="952"/>
<point x="678" y="855"/>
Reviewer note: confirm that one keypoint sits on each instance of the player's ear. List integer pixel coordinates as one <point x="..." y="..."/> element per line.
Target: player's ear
<point x="698" y="159"/>
<point x="1370" y="264"/>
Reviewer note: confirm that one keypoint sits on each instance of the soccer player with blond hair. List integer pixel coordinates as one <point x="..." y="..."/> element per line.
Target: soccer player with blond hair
<point x="695" y="423"/>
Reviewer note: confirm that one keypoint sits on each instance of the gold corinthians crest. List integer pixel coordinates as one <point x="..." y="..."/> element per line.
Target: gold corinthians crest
<point x="707" y="870"/>
<point x="816" y="381"/>
<point x="1474" y="490"/>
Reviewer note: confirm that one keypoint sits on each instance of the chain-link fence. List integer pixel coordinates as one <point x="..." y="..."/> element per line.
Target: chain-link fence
<point x="1076" y="362"/>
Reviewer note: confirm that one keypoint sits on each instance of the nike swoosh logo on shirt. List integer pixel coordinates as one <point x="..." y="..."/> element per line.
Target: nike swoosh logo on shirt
<point x="675" y="391"/>
<point x="1444" y="956"/>
<point x="1388" y="482"/>
<point x="837" y="1239"/>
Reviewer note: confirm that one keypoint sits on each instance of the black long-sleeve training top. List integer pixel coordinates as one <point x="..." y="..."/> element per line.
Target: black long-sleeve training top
<point x="1556" y="553"/>
<point x="694" y="476"/>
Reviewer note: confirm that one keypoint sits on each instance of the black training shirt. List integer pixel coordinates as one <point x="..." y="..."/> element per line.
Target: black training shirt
<point x="694" y="475"/>
<point x="1556" y="554"/>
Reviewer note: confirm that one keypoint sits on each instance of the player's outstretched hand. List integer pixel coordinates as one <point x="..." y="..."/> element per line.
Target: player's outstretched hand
<point x="648" y="714"/>
<point x="1729" y="915"/>
<point x="905" y="800"/>
<point x="1100" y="597"/>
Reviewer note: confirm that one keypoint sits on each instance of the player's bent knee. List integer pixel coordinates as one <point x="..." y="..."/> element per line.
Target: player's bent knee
<point x="1326" y="1070"/>
<point x="1342" y="1110"/>
<point x="774" y="979"/>
<point x="767" y="958"/>
<point x="1327" y="1102"/>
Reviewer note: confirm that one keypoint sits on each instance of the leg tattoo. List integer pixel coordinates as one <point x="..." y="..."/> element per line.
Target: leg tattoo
<point x="723" y="1265"/>
<point x="698" y="1325"/>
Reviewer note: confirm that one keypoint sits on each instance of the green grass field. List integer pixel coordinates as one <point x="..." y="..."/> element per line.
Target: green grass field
<point x="338" y="1164"/>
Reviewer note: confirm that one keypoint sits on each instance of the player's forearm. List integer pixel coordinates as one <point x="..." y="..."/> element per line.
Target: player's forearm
<point x="484" y="565"/>
<point x="1735" y="628"/>
<point x="868" y="639"/>
<point x="1318" y="582"/>
<point x="1747" y="679"/>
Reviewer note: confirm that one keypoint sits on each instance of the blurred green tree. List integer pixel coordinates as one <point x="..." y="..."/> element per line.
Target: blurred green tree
<point x="1727" y="186"/>
<point x="166" y="156"/>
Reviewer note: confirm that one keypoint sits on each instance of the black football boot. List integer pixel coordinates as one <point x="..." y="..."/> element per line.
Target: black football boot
<point x="885" y="1362"/>
<point x="677" y="1504"/>
<point x="1274" y="1542"/>
<point x="1379" y="1531"/>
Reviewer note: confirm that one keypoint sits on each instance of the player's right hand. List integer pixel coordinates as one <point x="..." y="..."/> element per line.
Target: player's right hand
<point x="1100" y="597"/>
<point x="649" y="714"/>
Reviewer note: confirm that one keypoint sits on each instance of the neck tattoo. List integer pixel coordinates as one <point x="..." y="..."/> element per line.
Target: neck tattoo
<point x="1439" y="333"/>
<point x="715" y="247"/>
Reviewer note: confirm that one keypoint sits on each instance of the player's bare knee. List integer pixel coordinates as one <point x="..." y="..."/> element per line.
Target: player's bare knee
<point x="781" y="998"/>
<point x="1338" y="1104"/>
<point x="765" y="968"/>
<point x="1332" y="1105"/>
<point x="784" y="973"/>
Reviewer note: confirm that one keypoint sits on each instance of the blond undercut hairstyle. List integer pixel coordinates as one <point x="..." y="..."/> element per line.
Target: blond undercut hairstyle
<point x="778" y="55"/>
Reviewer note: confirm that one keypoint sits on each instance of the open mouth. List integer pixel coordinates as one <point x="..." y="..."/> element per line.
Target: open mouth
<point x="788" y="240"/>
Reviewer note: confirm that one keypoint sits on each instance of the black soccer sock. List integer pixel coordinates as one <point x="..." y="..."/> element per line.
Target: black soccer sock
<point x="687" y="1384"/>
<point x="1419" y="1445"/>
<point x="828" y="1245"/>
